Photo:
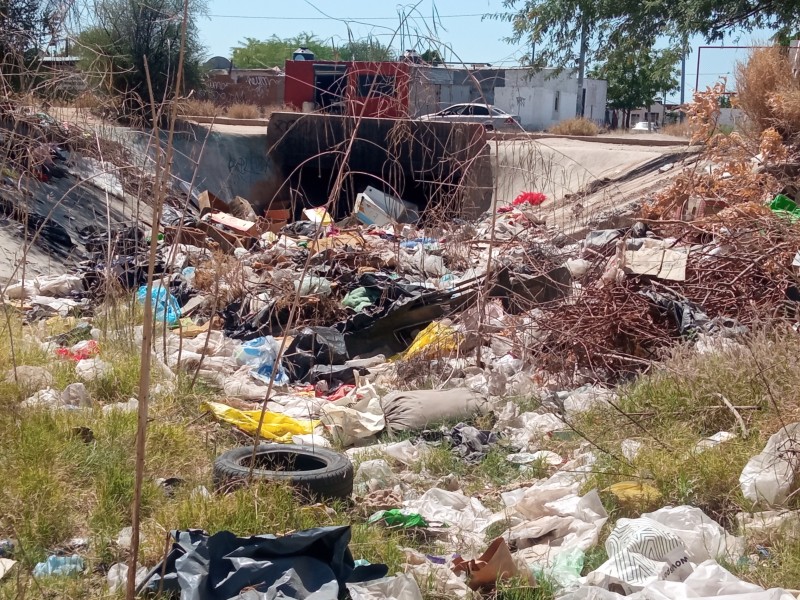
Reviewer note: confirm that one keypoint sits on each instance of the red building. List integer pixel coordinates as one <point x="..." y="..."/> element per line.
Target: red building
<point x="369" y="89"/>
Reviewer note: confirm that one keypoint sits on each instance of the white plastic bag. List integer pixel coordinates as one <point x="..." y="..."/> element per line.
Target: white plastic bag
<point x="703" y="537"/>
<point x="356" y="417"/>
<point x="710" y="581"/>
<point x="399" y="587"/>
<point x="373" y="475"/>
<point x="768" y="477"/>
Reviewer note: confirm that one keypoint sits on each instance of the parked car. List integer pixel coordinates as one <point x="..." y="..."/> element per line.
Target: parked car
<point x="645" y="126"/>
<point x="490" y="116"/>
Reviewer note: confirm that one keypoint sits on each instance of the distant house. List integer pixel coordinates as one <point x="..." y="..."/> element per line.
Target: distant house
<point x="63" y="74"/>
<point x="411" y="89"/>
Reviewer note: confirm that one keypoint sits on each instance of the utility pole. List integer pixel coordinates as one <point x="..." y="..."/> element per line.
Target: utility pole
<point x="582" y="64"/>
<point x="683" y="76"/>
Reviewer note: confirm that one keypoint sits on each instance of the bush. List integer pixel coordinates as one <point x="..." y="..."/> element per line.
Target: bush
<point x="244" y="111"/>
<point x="678" y="129"/>
<point x="768" y="92"/>
<point x="576" y="126"/>
<point x="198" y="108"/>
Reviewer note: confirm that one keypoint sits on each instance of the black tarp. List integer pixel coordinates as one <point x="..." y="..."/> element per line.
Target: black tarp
<point x="314" y="564"/>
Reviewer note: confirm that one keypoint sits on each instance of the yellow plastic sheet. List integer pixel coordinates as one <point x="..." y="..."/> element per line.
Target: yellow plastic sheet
<point x="276" y="427"/>
<point x="633" y="491"/>
<point x="436" y="339"/>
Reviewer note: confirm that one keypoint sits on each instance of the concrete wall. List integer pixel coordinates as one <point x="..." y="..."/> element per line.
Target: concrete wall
<point x="731" y="117"/>
<point x="262" y="87"/>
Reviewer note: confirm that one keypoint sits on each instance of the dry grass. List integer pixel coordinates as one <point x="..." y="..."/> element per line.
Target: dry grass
<point x="678" y="129"/>
<point x="244" y="111"/>
<point x="87" y="100"/>
<point x="767" y="91"/>
<point x="199" y="108"/>
<point x="576" y="126"/>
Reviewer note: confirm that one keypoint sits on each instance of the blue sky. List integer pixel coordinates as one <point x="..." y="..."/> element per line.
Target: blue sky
<point x="459" y="31"/>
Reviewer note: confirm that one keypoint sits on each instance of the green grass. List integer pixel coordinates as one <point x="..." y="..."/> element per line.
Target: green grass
<point x="56" y="486"/>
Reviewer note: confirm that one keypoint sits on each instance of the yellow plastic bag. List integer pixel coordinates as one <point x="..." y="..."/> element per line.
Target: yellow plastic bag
<point x="634" y="491"/>
<point x="436" y="339"/>
<point x="276" y="427"/>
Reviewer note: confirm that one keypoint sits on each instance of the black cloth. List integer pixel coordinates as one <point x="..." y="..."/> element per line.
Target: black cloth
<point x="314" y="564"/>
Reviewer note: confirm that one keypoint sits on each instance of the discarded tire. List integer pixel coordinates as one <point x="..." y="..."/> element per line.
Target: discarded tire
<point x="317" y="472"/>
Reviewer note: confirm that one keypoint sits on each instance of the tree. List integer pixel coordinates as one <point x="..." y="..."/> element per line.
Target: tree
<point x="555" y="26"/>
<point x="635" y="78"/>
<point x="274" y="51"/>
<point x="126" y="33"/>
<point x="367" y="49"/>
<point x="23" y="27"/>
<point x="432" y="57"/>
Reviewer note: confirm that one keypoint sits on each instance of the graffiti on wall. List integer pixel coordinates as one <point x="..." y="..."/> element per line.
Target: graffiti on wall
<point x="261" y="90"/>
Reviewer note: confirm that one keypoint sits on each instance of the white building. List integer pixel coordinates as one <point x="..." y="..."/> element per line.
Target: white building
<point x="539" y="99"/>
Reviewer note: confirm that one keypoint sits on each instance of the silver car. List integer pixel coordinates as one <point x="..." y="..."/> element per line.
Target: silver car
<point x="492" y="118"/>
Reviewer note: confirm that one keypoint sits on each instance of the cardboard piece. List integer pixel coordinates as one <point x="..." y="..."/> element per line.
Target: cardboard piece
<point x="493" y="565"/>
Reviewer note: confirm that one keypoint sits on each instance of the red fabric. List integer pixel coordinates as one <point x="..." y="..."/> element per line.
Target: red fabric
<point x="532" y="198"/>
<point x="91" y="349"/>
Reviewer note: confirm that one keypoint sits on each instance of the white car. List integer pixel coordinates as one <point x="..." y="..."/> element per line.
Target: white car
<point x="645" y="126"/>
<point x="492" y="118"/>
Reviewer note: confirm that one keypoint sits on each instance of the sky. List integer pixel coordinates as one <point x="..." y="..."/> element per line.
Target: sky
<point x="459" y="31"/>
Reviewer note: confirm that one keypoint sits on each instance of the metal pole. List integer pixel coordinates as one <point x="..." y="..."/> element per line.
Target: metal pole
<point x="582" y="65"/>
<point x="697" y="75"/>
<point x="683" y="79"/>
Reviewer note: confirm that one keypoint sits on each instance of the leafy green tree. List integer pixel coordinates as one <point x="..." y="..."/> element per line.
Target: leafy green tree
<point x="432" y="57"/>
<point x="367" y="49"/>
<point x="635" y="78"/>
<point x="555" y="27"/>
<point x="274" y="51"/>
<point x="126" y="33"/>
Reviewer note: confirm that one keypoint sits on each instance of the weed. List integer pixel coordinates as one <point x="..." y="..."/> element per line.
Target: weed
<point x="576" y="126"/>
<point x="198" y="108"/>
<point x="244" y="111"/>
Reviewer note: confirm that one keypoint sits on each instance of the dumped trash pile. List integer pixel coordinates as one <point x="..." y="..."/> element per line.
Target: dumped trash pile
<point x="305" y="327"/>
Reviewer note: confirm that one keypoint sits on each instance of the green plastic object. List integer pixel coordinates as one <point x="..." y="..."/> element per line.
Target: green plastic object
<point x="785" y="205"/>
<point x="397" y="517"/>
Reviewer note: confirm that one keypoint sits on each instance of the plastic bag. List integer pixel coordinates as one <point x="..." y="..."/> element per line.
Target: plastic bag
<point x="400" y="587"/>
<point x="59" y="565"/>
<point x="399" y="517"/>
<point x="373" y="475"/>
<point x="769" y="476"/>
<point x="275" y="427"/>
<point x="165" y="306"/>
<point x="436" y="339"/>
<point x="260" y="354"/>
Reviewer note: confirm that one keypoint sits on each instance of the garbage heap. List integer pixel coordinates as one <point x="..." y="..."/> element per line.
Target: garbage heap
<point x="311" y="322"/>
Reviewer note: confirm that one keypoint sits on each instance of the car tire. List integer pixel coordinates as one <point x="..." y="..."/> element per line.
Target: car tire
<point x="318" y="472"/>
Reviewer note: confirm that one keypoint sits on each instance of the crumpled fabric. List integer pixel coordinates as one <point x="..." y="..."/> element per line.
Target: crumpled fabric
<point x="275" y="427"/>
<point x="314" y="564"/>
<point x="472" y="444"/>
<point x="360" y="299"/>
<point x="419" y="408"/>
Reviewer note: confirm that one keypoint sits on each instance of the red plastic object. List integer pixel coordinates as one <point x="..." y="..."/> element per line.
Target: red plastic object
<point x="532" y="198"/>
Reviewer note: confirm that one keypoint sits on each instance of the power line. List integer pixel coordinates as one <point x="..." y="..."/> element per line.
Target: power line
<point x="269" y="18"/>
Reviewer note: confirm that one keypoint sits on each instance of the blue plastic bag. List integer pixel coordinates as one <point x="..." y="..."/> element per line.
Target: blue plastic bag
<point x="261" y="354"/>
<point x="165" y="306"/>
<point x="60" y="565"/>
